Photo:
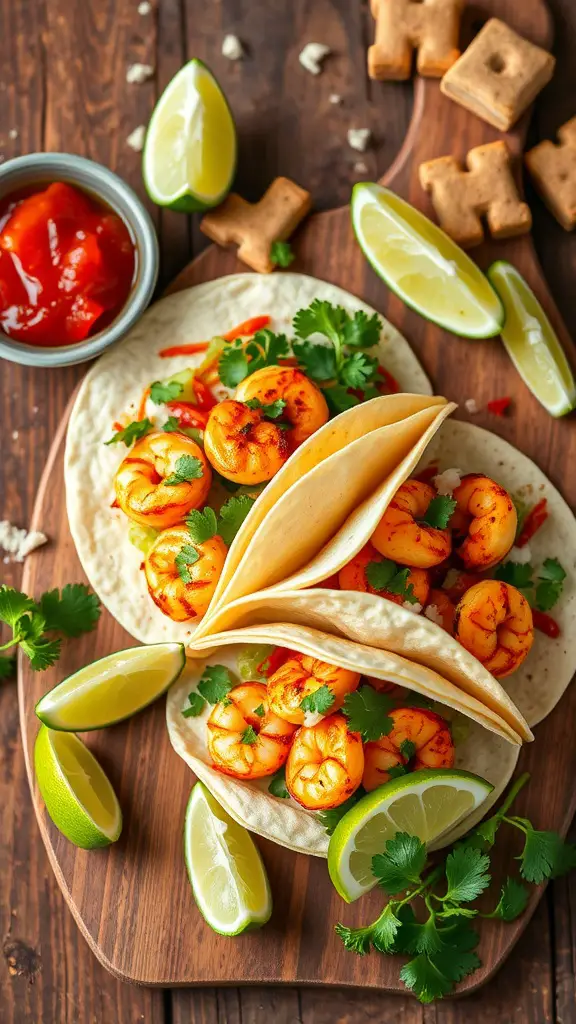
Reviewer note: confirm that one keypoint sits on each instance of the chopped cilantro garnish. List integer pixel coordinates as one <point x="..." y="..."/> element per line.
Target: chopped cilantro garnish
<point x="162" y="391"/>
<point x="249" y="736"/>
<point x="386" y="575"/>
<point x="542" y="592"/>
<point x="318" y="702"/>
<point x="260" y="711"/>
<point x="407" y="749"/>
<point x="184" y="559"/>
<point x="439" y="511"/>
<point x="281" y="254"/>
<point x="232" y="515"/>
<point x="216" y="683"/>
<point x="131" y="432"/>
<point x="202" y="525"/>
<point x="187" y="468"/>
<point x="240" y="358"/>
<point x="367" y="712"/>
<point x="172" y="423"/>
<point x="196" y="705"/>
<point x="271" y="411"/>
<point x="277" y="786"/>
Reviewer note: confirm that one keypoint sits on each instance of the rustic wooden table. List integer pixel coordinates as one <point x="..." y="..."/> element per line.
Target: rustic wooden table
<point x="63" y="87"/>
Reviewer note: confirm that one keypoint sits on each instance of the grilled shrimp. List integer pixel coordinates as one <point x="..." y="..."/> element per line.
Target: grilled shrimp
<point x="493" y="621"/>
<point x="183" y="599"/>
<point x="400" y="537"/>
<point x="306" y="409"/>
<point x="325" y="764"/>
<point x="353" y="577"/>
<point x="242" y="446"/>
<point x="140" y="482"/>
<point x="301" y="676"/>
<point x="245" y="738"/>
<point x="441" y="610"/>
<point x="418" y="737"/>
<point x="489" y="516"/>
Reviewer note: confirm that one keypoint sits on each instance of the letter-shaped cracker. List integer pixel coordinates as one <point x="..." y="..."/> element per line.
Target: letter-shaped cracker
<point x="553" y="168"/>
<point x="431" y="26"/>
<point x="487" y="188"/>
<point x="499" y="75"/>
<point x="253" y="227"/>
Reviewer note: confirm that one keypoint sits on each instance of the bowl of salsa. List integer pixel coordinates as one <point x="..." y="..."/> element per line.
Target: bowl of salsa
<point x="78" y="259"/>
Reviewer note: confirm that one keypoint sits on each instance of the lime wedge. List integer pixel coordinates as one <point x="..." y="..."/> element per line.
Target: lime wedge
<point x="424" y="804"/>
<point x="531" y="342"/>
<point x="190" y="150"/>
<point x="422" y="265"/>
<point x="224" y="866"/>
<point x="77" y="793"/>
<point x="112" y="688"/>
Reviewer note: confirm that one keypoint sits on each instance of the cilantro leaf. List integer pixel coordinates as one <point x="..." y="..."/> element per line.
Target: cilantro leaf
<point x="260" y="711"/>
<point x="384" y="929"/>
<point x="339" y="399"/>
<point x="41" y="651"/>
<point x="329" y="819"/>
<point x="281" y="254"/>
<point x="317" y="361"/>
<point x="402" y="863"/>
<point x="356" y="940"/>
<point x="215" y="683"/>
<point x="397" y="771"/>
<point x="249" y="736"/>
<point x="424" y="979"/>
<point x="386" y="575"/>
<point x="187" y="468"/>
<point x="361" y="330"/>
<point x="439" y="511"/>
<point x="14" y="604"/>
<point x="277" y="786"/>
<point x="131" y="432"/>
<point x="466" y="874"/>
<point x="321" y="317"/>
<point x="7" y="666"/>
<point x="456" y="963"/>
<point x="517" y="575"/>
<point x="407" y="749"/>
<point x="513" y="901"/>
<point x="550" y="584"/>
<point x="196" y="705"/>
<point x="271" y="411"/>
<point x="320" y="701"/>
<point x="76" y="610"/>
<point x="202" y="525"/>
<point x="266" y="349"/>
<point x="367" y="712"/>
<point x="545" y="854"/>
<point x="186" y="557"/>
<point x="232" y="515"/>
<point x="358" y="370"/>
<point x="162" y="391"/>
<point x="233" y="364"/>
<point x="172" y="423"/>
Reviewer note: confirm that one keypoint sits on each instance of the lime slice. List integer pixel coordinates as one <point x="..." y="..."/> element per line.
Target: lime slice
<point x="224" y="867"/>
<point x="77" y="793"/>
<point x="190" y="150"/>
<point x="424" y="804"/>
<point x="422" y="265"/>
<point x="113" y="688"/>
<point x="531" y="342"/>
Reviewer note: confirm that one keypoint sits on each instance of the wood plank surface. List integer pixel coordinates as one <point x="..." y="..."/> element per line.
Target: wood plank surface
<point x="537" y="984"/>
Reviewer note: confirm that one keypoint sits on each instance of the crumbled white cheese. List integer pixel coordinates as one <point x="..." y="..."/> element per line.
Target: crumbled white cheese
<point x="335" y="98"/>
<point x="138" y="73"/>
<point x="433" y="613"/>
<point x="232" y="48"/>
<point x="18" y="542"/>
<point x="358" y="138"/>
<point x="311" y="718"/>
<point x="145" y="7"/>
<point x="13" y="133"/>
<point x="360" y="167"/>
<point x="312" y="55"/>
<point x="136" y="139"/>
<point x="15" y="435"/>
<point x="448" y="481"/>
<point x="522" y="556"/>
<point x="471" y="406"/>
<point x="413" y="606"/>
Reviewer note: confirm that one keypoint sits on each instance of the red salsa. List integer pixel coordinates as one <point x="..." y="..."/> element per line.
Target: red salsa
<point x="67" y="264"/>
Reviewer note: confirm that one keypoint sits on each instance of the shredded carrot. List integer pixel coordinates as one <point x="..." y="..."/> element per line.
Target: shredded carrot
<point x="142" y="406"/>
<point x="537" y="515"/>
<point x="184" y="350"/>
<point x="248" y="328"/>
<point x="545" y="624"/>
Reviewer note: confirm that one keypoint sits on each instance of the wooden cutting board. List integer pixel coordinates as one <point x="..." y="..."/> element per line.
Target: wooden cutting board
<point x="133" y="902"/>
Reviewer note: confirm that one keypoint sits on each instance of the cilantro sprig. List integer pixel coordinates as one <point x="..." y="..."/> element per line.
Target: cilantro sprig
<point x="441" y="939"/>
<point x="187" y="468"/>
<point x="270" y="411"/>
<point x="281" y="254"/>
<point x="439" y="512"/>
<point x="131" y="432"/>
<point x="241" y="358"/>
<point x="386" y="575"/>
<point x="367" y="712"/>
<point x="70" y="612"/>
<point x="318" y="702"/>
<point x="213" y="688"/>
<point x="541" y="588"/>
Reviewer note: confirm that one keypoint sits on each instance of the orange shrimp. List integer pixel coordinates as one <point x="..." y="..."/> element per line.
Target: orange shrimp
<point x="418" y="737"/>
<point x="246" y="739"/>
<point x="242" y="446"/>
<point x="306" y="409"/>
<point x="325" y="764"/>
<point x="353" y="577"/>
<point x="441" y="610"/>
<point x="400" y="537"/>
<point x="183" y="593"/>
<point x="488" y="512"/>
<point x="301" y="676"/>
<point x="494" y="622"/>
<point x="142" y="491"/>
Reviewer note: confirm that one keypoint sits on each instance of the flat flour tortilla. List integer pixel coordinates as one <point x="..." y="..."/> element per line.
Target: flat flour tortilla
<point x="114" y="385"/>
<point x="485" y="753"/>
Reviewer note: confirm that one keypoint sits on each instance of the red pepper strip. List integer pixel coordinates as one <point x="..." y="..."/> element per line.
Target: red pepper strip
<point x="534" y="520"/>
<point x="290" y="361"/>
<point x="184" y="350"/>
<point x="247" y="329"/>
<point x="546" y="624"/>
<point x="206" y="399"/>
<point x="390" y="382"/>
<point x="499" y="406"/>
<point x="427" y="474"/>
<point x="188" y="415"/>
<point x="272" y="663"/>
<point x="117" y="426"/>
<point x="142" y="406"/>
<point x="330" y="583"/>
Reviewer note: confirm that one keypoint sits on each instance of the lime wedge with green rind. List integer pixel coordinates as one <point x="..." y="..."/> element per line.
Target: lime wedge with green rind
<point x="422" y="265"/>
<point x="425" y="804"/>
<point x="224" y="866"/>
<point x="113" y="688"/>
<point x="190" y="149"/>
<point x="77" y="793"/>
<point x="532" y="343"/>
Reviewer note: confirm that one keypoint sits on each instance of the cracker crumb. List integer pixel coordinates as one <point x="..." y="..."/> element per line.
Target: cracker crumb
<point x="471" y="406"/>
<point x="521" y="556"/>
<point x="144" y="8"/>
<point x="415" y="607"/>
<point x="13" y="133"/>
<point x="448" y="481"/>
<point x="359" y="138"/>
<point x="432" y="612"/>
<point x="35" y="409"/>
<point x="18" y="542"/>
<point x="136" y="139"/>
<point x="335" y="98"/>
<point x="138" y="73"/>
<point x="312" y="55"/>
<point x="232" y="48"/>
<point x="15" y="435"/>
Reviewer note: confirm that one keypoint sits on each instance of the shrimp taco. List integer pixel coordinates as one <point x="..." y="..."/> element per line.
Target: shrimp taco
<point x="183" y="452"/>
<point x="283" y="723"/>
<point x="469" y="569"/>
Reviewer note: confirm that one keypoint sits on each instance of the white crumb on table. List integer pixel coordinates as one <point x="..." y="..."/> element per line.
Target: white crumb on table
<point x="471" y="406"/>
<point x="359" y="138"/>
<point x="13" y="133"/>
<point x="312" y="55"/>
<point x="521" y="556"/>
<point x="232" y="48"/>
<point x="432" y="612"/>
<point x="138" y="73"/>
<point x="335" y="98"/>
<point x="19" y="542"/>
<point x="15" y="435"/>
<point x="448" y="481"/>
<point x="360" y="167"/>
<point x="145" y="7"/>
<point x="136" y="139"/>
